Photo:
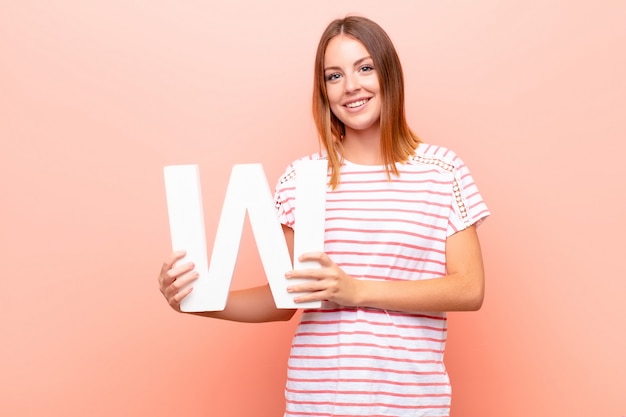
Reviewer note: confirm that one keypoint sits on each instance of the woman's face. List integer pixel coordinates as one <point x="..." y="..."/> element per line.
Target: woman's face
<point x="352" y="84"/>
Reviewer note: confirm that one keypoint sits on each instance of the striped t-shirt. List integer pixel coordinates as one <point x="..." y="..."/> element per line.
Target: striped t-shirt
<point x="358" y="361"/>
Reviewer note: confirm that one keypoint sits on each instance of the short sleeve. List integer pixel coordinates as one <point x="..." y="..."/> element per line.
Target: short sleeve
<point x="285" y="192"/>
<point x="284" y="197"/>
<point x="468" y="207"/>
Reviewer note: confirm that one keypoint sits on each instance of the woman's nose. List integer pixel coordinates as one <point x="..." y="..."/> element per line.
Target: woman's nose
<point x="352" y="82"/>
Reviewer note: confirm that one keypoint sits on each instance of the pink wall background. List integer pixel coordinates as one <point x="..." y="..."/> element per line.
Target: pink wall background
<point x="96" y="97"/>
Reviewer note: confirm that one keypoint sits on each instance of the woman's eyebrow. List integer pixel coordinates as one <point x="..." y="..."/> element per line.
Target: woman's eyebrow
<point x="356" y="63"/>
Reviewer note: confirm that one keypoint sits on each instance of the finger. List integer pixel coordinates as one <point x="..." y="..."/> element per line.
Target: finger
<point x="176" y="299"/>
<point x="313" y="296"/>
<point x="320" y="257"/>
<point x="313" y="274"/>
<point x="180" y="284"/>
<point x="172" y="259"/>
<point x="310" y="256"/>
<point x="312" y="286"/>
<point x="178" y="270"/>
<point x="171" y="275"/>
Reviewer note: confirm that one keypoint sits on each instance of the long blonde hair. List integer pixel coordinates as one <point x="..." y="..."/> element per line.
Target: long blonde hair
<point x="398" y="142"/>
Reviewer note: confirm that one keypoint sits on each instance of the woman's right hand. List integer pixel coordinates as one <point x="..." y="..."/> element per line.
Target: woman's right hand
<point x="174" y="279"/>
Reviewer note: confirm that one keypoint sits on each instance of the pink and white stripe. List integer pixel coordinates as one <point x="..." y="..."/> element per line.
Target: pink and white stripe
<point x="372" y="362"/>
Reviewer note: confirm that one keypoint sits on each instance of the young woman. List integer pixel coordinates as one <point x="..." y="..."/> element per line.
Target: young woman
<point x="400" y="250"/>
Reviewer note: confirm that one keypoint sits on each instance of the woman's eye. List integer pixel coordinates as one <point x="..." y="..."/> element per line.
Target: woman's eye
<point x="332" y="77"/>
<point x="366" y="68"/>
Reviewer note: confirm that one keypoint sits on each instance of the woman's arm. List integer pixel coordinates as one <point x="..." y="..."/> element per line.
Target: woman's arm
<point x="461" y="290"/>
<point x="252" y="305"/>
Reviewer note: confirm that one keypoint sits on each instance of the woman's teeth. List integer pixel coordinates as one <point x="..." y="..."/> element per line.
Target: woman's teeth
<point x="356" y="104"/>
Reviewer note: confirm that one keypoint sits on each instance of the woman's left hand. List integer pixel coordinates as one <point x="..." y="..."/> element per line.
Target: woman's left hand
<point x="328" y="283"/>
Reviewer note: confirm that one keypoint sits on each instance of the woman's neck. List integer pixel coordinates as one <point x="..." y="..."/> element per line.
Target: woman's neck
<point x="362" y="146"/>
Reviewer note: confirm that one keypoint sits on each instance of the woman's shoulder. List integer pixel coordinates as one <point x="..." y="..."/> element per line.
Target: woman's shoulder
<point x="290" y="172"/>
<point x="311" y="157"/>
<point x="436" y="155"/>
<point x="427" y="150"/>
